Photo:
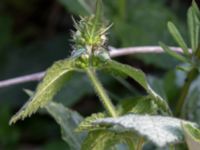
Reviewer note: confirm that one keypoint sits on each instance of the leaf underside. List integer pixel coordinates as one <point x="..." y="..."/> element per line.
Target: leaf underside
<point x="137" y="105"/>
<point x="158" y="129"/>
<point x="107" y="140"/>
<point x="68" y="121"/>
<point x="86" y="124"/>
<point x="54" y="79"/>
<point x="192" y="136"/>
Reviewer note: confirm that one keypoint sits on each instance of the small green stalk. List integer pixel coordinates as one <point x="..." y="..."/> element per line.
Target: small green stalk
<point x="140" y="143"/>
<point x="172" y="147"/>
<point x="192" y="75"/>
<point x="185" y="89"/>
<point x="122" y="8"/>
<point x="101" y="92"/>
<point x="131" y="145"/>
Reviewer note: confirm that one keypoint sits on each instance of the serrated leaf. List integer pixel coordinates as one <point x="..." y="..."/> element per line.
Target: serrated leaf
<point x="138" y="105"/>
<point x="107" y="140"/>
<point x="192" y="135"/>
<point x="161" y="130"/>
<point x="68" y="120"/>
<point x="55" y="78"/>
<point x="136" y="74"/>
<point x="86" y="124"/>
<point x="172" y="53"/>
<point x="144" y="106"/>
<point x="139" y="77"/>
<point x="177" y="36"/>
<point x="193" y="28"/>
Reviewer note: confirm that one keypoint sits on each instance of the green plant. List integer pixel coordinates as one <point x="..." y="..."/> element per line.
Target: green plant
<point x="130" y="125"/>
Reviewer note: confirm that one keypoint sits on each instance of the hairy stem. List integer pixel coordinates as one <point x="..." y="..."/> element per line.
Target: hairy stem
<point x="101" y="92"/>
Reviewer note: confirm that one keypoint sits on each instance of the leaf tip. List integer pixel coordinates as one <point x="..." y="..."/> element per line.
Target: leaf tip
<point x="13" y="120"/>
<point x="169" y="23"/>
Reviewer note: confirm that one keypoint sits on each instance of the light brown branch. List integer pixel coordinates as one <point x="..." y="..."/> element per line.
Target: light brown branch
<point x="22" y="79"/>
<point x="139" y="50"/>
<point x="113" y="53"/>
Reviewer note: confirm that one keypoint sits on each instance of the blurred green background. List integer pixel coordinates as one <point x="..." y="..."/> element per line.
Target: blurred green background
<point x="35" y="33"/>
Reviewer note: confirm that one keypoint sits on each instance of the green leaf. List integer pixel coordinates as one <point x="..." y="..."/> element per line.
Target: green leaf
<point x="172" y="53"/>
<point x="86" y="124"/>
<point x="196" y="9"/>
<point x="107" y="140"/>
<point x="139" y="77"/>
<point x="177" y="36"/>
<point x="98" y="13"/>
<point x="79" y="7"/>
<point x="134" y="73"/>
<point x="193" y="28"/>
<point x="138" y="105"/>
<point x="192" y="135"/>
<point x="68" y="121"/>
<point x="161" y="130"/>
<point x="157" y="85"/>
<point x="55" y="78"/>
<point x="144" y="106"/>
<point x="72" y="89"/>
<point x="28" y="92"/>
<point x="184" y="68"/>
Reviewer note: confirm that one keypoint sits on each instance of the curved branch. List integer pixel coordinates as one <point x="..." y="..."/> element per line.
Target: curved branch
<point x="22" y="79"/>
<point x="114" y="52"/>
<point x="139" y="50"/>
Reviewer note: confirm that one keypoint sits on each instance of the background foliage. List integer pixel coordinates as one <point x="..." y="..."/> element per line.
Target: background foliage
<point x="35" y="33"/>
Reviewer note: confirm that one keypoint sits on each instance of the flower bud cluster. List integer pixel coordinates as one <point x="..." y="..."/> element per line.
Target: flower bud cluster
<point x="90" y="33"/>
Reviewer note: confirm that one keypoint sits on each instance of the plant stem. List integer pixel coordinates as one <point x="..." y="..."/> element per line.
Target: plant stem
<point x="101" y="92"/>
<point x="184" y="91"/>
<point x="131" y="145"/>
<point x="140" y="143"/>
<point x="122" y="8"/>
<point x="172" y="147"/>
<point x="192" y="75"/>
